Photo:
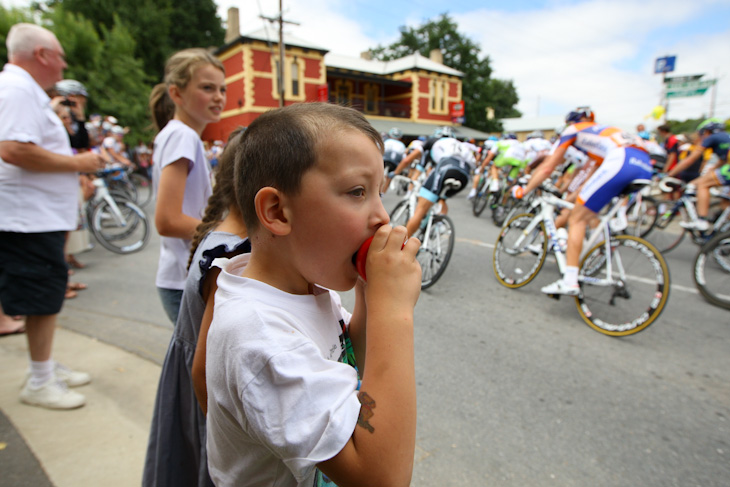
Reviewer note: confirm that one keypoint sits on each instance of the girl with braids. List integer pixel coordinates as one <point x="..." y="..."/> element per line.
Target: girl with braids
<point x="192" y="96"/>
<point x="176" y="453"/>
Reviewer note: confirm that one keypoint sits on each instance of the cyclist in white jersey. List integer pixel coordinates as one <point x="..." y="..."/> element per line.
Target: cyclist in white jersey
<point x="454" y="163"/>
<point x="393" y="149"/>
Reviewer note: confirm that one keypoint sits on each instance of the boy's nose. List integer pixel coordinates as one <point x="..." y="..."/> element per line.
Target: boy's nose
<point x="380" y="215"/>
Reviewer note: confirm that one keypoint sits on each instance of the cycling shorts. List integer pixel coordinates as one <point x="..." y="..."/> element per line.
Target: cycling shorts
<point x="389" y="165"/>
<point x="723" y="175"/>
<point x="517" y="165"/>
<point x="450" y="169"/>
<point x="621" y="166"/>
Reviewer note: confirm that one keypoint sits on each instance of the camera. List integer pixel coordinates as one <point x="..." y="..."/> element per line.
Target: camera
<point x="68" y="103"/>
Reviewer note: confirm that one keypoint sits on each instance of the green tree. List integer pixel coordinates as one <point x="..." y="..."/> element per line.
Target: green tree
<point x="8" y="18"/>
<point x="479" y="89"/>
<point x="159" y="27"/>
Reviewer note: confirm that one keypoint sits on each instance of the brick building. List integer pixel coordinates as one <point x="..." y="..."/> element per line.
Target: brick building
<point x="414" y="93"/>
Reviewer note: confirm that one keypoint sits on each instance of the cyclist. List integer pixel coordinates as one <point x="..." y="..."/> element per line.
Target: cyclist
<point x="422" y="152"/>
<point x="622" y="159"/>
<point x="114" y="146"/>
<point x="671" y="145"/>
<point x="393" y="149"/>
<point x="506" y="152"/>
<point x="712" y="136"/>
<point x="454" y="163"/>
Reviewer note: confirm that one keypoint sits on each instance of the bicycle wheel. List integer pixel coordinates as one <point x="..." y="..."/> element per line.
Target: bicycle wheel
<point x="401" y="213"/>
<point x="667" y="234"/>
<point x="635" y="293"/>
<point x="122" y="233"/>
<point x="712" y="270"/>
<point x="143" y="186"/>
<point x="124" y="188"/>
<point x="481" y="199"/>
<point x="436" y="250"/>
<point x="642" y="216"/>
<point x="517" y="257"/>
<point x="501" y="211"/>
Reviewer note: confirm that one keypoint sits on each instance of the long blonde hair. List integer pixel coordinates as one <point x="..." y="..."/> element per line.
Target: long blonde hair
<point x="179" y="71"/>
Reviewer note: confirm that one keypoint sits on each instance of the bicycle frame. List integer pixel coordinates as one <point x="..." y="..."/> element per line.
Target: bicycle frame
<point x="548" y="203"/>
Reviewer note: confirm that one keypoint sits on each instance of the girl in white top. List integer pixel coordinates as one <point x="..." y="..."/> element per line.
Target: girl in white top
<point x="192" y="96"/>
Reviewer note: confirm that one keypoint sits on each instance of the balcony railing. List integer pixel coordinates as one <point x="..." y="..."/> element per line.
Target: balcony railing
<point x="383" y="109"/>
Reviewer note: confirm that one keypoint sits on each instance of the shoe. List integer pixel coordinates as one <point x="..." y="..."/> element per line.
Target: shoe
<point x="559" y="287"/>
<point x="493" y="186"/>
<point x="535" y="248"/>
<point x="71" y="378"/>
<point x="699" y="224"/>
<point x="472" y="194"/>
<point x="54" y="394"/>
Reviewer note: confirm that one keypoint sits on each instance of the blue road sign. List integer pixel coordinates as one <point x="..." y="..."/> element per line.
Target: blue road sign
<point x="665" y="64"/>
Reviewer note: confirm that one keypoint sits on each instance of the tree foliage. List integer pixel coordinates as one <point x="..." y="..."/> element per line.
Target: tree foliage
<point x="479" y="89"/>
<point x="159" y="27"/>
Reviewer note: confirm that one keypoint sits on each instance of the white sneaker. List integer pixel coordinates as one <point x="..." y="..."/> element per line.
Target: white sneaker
<point x="472" y="194"/>
<point x="71" y="378"/>
<point x="559" y="287"/>
<point x="699" y="224"/>
<point x="54" y="394"/>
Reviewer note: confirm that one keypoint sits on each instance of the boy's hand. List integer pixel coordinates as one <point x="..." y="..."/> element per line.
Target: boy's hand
<point x="394" y="274"/>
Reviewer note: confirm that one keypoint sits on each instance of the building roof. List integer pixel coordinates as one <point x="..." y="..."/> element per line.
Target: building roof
<point x="414" y="61"/>
<point x="528" y="124"/>
<point x="414" y="129"/>
<point x="271" y="35"/>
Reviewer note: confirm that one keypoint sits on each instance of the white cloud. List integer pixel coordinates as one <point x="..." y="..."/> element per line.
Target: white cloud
<point x="568" y="56"/>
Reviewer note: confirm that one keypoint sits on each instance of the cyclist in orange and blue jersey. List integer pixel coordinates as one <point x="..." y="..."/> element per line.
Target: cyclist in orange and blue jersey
<point x="621" y="158"/>
<point x="713" y="137"/>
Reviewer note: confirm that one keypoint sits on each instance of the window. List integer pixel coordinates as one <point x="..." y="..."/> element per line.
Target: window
<point x="439" y="90"/>
<point x="371" y="98"/>
<point x="343" y="92"/>
<point x="293" y="77"/>
<point x="294" y="70"/>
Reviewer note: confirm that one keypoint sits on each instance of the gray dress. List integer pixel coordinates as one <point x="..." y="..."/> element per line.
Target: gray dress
<point x="176" y="454"/>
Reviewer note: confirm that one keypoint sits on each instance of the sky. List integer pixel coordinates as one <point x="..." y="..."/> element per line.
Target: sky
<point x="560" y="54"/>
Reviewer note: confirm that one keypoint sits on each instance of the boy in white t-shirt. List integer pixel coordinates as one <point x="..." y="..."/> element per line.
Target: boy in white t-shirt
<point x="290" y="401"/>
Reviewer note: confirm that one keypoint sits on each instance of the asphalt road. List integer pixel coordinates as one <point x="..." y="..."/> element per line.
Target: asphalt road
<point x="513" y="388"/>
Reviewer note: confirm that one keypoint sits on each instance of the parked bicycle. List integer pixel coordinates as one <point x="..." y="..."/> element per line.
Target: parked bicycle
<point x="436" y="233"/>
<point x="613" y="267"/>
<point x="116" y="222"/>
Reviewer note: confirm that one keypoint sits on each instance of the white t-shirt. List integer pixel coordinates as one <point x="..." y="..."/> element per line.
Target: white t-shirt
<point x="174" y="142"/>
<point x="33" y="202"/>
<point x="280" y="400"/>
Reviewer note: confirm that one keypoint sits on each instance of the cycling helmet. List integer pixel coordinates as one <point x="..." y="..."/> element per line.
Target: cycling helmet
<point x="509" y="135"/>
<point x="70" y="87"/>
<point x="579" y="114"/>
<point x="537" y="134"/>
<point x="422" y="138"/>
<point x="395" y="133"/>
<point x="443" y="132"/>
<point x="711" y="126"/>
<point x="493" y="138"/>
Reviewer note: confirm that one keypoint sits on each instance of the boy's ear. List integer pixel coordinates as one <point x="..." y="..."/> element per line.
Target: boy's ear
<point x="270" y="210"/>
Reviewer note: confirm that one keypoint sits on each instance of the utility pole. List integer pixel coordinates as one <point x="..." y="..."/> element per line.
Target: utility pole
<point x="280" y="19"/>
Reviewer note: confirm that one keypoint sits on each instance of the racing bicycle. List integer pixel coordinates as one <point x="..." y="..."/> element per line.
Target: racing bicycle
<point x="712" y="270"/>
<point x="624" y="280"/>
<point x="436" y="232"/>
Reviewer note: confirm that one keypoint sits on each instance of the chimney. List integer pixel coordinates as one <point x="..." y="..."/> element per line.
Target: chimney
<point x="436" y="56"/>
<point x="366" y="55"/>
<point x="233" y="28"/>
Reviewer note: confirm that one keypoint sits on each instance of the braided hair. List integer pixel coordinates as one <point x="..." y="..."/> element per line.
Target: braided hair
<point x="224" y="193"/>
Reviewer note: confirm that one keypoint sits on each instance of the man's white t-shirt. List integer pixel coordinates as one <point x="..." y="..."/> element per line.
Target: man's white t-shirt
<point x="174" y="142"/>
<point x="33" y="202"/>
<point x="280" y="400"/>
